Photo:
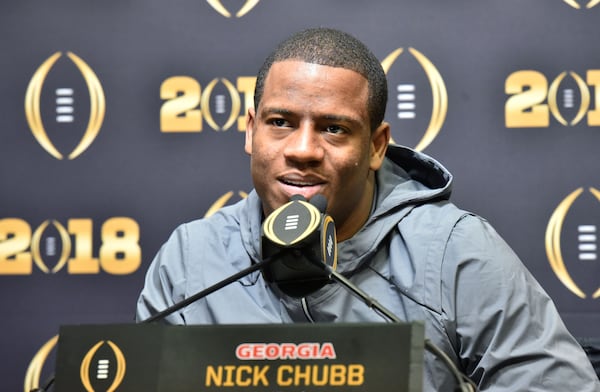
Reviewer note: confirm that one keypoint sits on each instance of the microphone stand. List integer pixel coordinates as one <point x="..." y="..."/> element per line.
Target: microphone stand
<point x="209" y="290"/>
<point x="364" y="297"/>
<point x="45" y="386"/>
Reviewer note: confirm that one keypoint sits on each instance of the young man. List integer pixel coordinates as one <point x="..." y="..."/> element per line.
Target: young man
<point x="317" y="128"/>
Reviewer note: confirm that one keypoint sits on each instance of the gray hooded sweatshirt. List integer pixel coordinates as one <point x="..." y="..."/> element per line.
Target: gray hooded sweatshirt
<point x="418" y="255"/>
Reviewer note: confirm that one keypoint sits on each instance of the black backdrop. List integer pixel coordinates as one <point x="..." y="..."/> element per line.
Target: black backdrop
<point x="119" y="120"/>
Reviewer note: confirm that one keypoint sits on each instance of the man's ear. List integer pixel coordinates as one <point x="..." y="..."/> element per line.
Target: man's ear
<point x="250" y="119"/>
<point x="380" y="139"/>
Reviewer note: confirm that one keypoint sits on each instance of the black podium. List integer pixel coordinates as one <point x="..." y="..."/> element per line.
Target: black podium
<point x="275" y="358"/>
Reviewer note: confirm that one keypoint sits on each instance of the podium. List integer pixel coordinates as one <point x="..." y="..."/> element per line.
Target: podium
<point x="251" y="358"/>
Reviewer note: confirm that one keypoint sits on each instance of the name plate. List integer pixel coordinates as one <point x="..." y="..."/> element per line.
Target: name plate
<point x="266" y="357"/>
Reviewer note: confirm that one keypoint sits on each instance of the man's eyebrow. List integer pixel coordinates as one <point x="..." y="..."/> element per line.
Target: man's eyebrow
<point x="341" y="118"/>
<point x="275" y="110"/>
<point x="328" y="117"/>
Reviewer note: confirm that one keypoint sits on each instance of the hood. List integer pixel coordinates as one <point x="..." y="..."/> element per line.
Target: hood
<point x="409" y="177"/>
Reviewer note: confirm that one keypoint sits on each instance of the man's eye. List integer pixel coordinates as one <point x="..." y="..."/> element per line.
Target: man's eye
<point x="279" y="122"/>
<point x="335" y="129"/>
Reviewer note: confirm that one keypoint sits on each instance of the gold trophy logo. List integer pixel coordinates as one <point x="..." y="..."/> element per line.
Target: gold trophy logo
<point x="33" y="112"/>
<point x="220" y="8"/>
<point x="438" y="93"/>
<point x="553" y="93"/>
<point x="222" y="201"/>
<point x="553" y="246"/>
<point x="576" y="5"/>
<point x="103" y="367"/>
<point x="36" y="253"/>
<point x="34" y="371"/>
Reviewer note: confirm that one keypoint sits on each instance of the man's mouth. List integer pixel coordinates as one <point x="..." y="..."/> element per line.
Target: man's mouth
<point x="307" y="187"/>
<point x="300" y="184"/>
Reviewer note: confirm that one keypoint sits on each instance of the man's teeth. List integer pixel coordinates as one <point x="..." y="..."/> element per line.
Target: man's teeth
<point x="298" y="183"/>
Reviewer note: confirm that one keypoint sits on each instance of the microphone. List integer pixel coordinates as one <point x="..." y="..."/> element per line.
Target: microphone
<point x="301" y="232"/>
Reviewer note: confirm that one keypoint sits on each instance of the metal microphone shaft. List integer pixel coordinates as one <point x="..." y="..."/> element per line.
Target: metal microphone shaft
<point x="368" y="300"/>
<point x="210" y="290"/>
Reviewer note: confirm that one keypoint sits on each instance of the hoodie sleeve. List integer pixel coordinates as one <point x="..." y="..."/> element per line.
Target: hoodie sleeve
<point x="165" y="279"/>
<point x="508" y="334"/>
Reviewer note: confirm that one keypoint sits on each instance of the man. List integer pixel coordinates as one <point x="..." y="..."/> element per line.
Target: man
<point x="317" y="128"/>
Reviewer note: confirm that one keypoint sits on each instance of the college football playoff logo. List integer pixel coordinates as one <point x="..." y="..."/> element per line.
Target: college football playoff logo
<point x="220" y="8"/>
<point x="64" y="101"/>
<point x="98" y="367"/>
<point x="576" y="5"/>
<point x="409" y="86"/>
<point x="586" y="243"/>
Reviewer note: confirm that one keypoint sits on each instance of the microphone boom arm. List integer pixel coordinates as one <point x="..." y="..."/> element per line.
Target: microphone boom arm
<point x="368" y="300"/>
<point x="209" y="290"/>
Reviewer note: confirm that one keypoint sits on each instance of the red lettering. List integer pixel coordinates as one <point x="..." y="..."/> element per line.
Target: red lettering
<point x="258" y="351"/>
<point x="273" y="351"/>
<point x="306" y="351"/>
<point x="243" y="351"/>
<point x="287" y="351"/>
<point x="327" y="351"/>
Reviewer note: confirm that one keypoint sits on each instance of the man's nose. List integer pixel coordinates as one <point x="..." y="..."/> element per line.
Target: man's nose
<point x="305" y="144"/>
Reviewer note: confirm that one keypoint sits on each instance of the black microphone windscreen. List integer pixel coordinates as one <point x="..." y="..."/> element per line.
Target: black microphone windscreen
<point x="297" y="197"/>
<point x="319" y="201"/>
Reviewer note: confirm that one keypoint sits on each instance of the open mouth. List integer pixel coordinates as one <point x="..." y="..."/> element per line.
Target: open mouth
<point x="300" y="184"/>
<point x="307" y="187"/>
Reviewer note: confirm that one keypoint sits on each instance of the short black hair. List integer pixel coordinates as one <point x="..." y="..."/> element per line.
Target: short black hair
<point x="334" y="48"/>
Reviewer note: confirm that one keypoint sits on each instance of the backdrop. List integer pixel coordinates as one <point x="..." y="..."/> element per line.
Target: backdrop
<point x="120" y="120"/>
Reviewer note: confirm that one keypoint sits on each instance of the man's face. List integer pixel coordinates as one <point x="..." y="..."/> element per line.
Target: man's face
<point x="310" y="134"/>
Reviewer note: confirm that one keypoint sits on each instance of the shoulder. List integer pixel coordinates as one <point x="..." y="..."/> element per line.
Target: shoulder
<point x="454" y="232"/>
<point x="432" y="224"/>
<point x="222" y="227"/>
<point x="201" y="245"/>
